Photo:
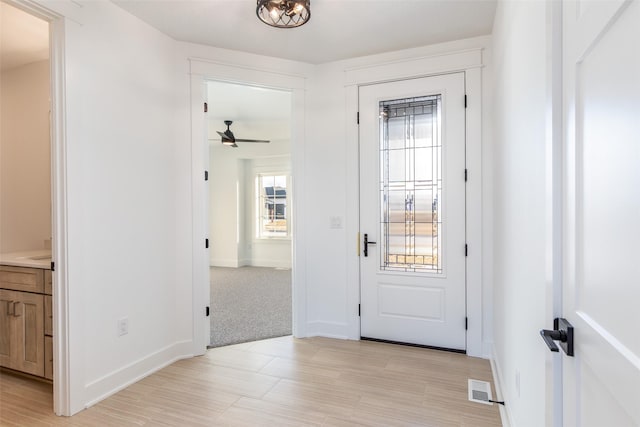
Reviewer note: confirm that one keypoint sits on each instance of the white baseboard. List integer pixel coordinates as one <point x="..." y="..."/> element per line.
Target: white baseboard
<point x="505" y="414"/>
<point x="271" y="263"/>
<point x="338" y="330"/>
<point x="122" y="378"/>
<point x="234" y="263"/>
<point x="487" y="350"/>
<point x="217" y="262"/>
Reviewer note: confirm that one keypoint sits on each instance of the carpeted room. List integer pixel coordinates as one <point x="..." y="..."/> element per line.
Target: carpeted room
<point x="249" y="303"/>
<point x="249" y="213"/>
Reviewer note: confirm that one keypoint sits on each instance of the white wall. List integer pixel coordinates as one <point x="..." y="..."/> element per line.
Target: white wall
<point x="25" y="159"/>
<point x="226" y="182"/>
<point x="128" y="199"/>
<point x="326" y="170"/>
<point x="232" y="206"/>
<point x="520" y="205"/>
<point x="329" y="167"/>
<point x="129" y="177"/>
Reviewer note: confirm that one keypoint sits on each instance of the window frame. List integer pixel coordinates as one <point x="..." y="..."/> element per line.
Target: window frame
<point x="259" y="205"/>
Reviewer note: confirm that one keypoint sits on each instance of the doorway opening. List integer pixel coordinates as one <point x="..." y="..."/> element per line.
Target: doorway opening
<point x="250" y="214"/>
<point x="26" y="285"/>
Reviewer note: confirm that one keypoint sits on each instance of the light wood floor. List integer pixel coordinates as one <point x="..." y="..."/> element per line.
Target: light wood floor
<point x="280" y="382"/>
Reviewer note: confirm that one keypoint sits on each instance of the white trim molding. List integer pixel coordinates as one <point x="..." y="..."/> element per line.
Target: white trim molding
<point x="473" y="86"/>
<point x="319" y="328"/>
<point x="443" y="63"/>
<point x="67" y="383"/>
<point x="469" y="61"/>
<point x="505" y="412"/>
<point x="220" y="71"/>
<point x="122" y="378"/>
<point x="203" y="70"/>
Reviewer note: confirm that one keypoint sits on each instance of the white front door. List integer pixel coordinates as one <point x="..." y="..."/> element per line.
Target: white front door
<point x="601" y="285"/>
<point x="412" y="211"/>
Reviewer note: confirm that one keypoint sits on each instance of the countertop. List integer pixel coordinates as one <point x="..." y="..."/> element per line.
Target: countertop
<point x="39" y="258"/>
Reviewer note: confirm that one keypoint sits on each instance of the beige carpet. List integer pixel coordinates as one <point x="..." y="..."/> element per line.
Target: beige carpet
<point x="249" y="303"/>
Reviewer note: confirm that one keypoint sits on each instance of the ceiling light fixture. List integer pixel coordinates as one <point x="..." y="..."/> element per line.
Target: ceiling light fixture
<point x="284" y="13"/>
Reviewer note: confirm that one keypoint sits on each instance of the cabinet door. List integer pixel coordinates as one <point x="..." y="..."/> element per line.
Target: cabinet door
<point x="48" y="357"/>
<point x="7" y="326"/>
<point x="48" y="315"/>
<point x="29" y="315"/>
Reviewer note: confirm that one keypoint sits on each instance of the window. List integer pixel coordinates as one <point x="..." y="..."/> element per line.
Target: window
<point x="273" y="218"/>
<point x="411" y="184"/>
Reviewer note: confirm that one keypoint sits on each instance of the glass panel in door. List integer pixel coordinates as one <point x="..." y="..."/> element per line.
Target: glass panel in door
<point x="411" y="184"/>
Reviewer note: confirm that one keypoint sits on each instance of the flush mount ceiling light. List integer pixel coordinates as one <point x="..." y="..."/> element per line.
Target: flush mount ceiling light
<point x="284" y="13"/>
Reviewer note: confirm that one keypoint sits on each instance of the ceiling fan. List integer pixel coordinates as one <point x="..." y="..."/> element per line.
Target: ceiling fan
<point x="229" y="139"/>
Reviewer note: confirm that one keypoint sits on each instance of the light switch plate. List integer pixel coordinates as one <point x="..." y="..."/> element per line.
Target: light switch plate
<point x="123" y="326"/>
<point x="335" y="222"/>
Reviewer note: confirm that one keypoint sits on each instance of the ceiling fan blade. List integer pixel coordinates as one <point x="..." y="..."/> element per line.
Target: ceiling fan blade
<point x="225" y="137"/>
<point x="252" y="140"/>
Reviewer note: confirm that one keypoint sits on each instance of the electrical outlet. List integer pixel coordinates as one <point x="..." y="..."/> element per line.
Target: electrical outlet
<point x="518" y="384"/>
<point x="123" y="326"/>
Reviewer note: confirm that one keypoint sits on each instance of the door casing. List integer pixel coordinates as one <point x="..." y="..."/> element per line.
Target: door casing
<point x="470" y="61"/>
<point x="201" y="71"/>
<point x="449" y="330"/>
<point x="68" y="384"/>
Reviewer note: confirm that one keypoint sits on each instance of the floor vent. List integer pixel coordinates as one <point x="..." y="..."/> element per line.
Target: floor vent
<point x="480" y="391"/>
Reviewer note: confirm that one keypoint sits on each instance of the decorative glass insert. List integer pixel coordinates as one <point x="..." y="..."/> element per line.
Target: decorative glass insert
<point x="411" y="184"/>
<point x="272" y="206"/>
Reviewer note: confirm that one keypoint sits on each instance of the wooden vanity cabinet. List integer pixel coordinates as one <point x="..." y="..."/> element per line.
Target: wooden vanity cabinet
<point x="22" y="340"/>
<point x="26" y="321"/>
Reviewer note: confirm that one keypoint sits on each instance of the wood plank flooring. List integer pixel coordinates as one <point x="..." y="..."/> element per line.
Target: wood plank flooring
<point x="280" y="382"/>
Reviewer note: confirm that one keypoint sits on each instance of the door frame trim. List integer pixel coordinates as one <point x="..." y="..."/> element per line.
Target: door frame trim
<point x="67" y="382"/>
<point x="201" y="71"/>
<point x="470" y="62"/>
<point x="554" y="194"/>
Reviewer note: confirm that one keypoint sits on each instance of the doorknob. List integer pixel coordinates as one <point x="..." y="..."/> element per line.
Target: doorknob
<point x="562" y="332"/>
<point x="366" y="244"/>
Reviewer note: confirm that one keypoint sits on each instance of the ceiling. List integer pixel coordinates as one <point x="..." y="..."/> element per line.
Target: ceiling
<point x="338" y="29"/>
<point x="23" y="38"/>
<point x="257" y="113"/>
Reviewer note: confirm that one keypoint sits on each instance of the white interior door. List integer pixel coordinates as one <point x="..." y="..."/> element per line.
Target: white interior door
<point x="412" y="211"/>
<point x="602" y="212"/>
